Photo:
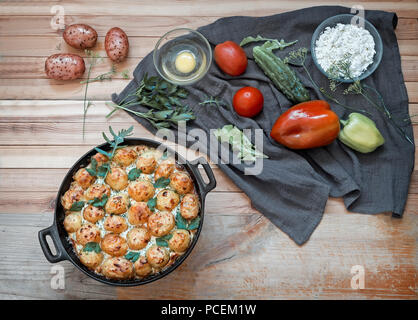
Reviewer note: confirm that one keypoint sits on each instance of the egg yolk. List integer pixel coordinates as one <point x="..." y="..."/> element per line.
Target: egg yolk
<point x="185" y="62"/>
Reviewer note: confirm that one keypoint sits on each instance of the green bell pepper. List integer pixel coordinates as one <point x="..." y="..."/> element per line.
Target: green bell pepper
<point x="360" y="133"/>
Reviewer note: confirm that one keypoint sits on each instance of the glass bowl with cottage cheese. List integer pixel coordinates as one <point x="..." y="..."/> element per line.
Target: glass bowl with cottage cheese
<point x="346" y="48"/>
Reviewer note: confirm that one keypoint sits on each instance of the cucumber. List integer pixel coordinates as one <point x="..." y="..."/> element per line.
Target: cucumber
<point x="279" y="72"/>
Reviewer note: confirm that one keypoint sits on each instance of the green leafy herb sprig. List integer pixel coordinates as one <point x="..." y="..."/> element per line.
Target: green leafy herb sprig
<point x="163" y="241"/>
<point x="77" y="206"/>
<point x="95" y="58"/>
<point x="134" y="174"/>
<point x="118" y="139"/>
<point x="164" y="100"/>
<point x="96" y="171"/>
<point x="92" y="246"/>
<point x="133" y="256"/>
<point x="209" y="100"/>
<point x="99" y="202"/>
<point x="370" y="94"/>
<point x="161" y="182"/>
<point x="96" y="202"/>
<point x="298" y="58"/>
<point x="278" y="44"/>
<point x="182" y="223"/>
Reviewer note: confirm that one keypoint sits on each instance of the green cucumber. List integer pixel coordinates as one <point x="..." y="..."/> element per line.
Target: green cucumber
<point x="279" y="72"/>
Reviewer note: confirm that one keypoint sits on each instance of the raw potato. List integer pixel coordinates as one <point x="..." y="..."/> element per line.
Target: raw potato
<point x="64" y="66"/>
<point x="80" y="36"/>
<point x="116" y="44"/>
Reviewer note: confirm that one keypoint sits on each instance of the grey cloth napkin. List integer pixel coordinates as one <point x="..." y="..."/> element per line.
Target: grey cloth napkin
<point x="293" y="187"/>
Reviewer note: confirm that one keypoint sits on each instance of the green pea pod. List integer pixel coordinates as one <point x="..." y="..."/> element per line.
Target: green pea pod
<point x="360" y="133"/>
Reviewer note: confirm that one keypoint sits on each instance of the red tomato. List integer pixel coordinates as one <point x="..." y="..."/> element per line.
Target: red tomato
<point x="231" y="58"/>
<point x="248" y="102"/>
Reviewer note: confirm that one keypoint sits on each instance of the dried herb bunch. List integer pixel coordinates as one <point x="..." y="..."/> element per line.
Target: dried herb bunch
<point x="339" y="70"/>
<point x="164" y="100"/>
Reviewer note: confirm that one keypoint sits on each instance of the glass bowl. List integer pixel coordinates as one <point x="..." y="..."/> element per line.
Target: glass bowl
<point x="178" y="41"/>
<point x="346" y="19"/>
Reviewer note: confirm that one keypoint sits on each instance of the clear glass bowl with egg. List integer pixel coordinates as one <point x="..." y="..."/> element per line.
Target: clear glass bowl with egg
<point x="347" y="19"/>
<point x="182" y="56"/>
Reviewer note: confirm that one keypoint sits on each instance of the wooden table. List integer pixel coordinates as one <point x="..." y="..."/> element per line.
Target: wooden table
<point x="240" y="253"/>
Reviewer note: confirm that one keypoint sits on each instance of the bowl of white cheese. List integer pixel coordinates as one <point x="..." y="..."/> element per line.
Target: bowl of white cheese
<point x="346" y="48"/>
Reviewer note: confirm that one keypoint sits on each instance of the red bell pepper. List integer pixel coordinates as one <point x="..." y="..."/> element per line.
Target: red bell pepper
<point x="307" y="125"/>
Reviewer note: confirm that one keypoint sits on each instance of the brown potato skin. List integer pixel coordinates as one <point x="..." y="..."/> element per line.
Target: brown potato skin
<point x="116" y="44"/>
<point x="117" y="204"/>
<point x="97" y="191"/>
<point x="88" y="233"/>
<point x="142" y="267"/>
<point x="181" y="182"/>
<point x="180" y="240"/>
<point x="114" y="245"/>
<point x="91" y="259"/>
<point x="93" y="214"/>
<point x="161" y="223"/>
<point x="165" y="169"/>
<point x="74" y="194"/>
<point x="147" y="162"/>
<point x="117" y="179"/>
<point x="139" y="213"/>
<point x="115" y="224"/>
<point x="189" y="206"/>
<point x="125" y="156"/>
<point x="64" y="66"/>
<point x="157" y="256"/>
<point x="80" y="36"/>
<point x="83" y="178"/>
<point x="167" y="200"/>
<point x="117" y="268"/>
<point x="72" y="222"/>
<point x="138" y="238"/>
<point x="141" y="190"/>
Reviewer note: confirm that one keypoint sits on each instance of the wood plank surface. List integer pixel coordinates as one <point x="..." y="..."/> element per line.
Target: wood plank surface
<point x="240" y="253"/>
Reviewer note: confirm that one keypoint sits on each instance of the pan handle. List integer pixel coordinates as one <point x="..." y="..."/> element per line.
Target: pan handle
<point x="52" y="232"/>
<point x="205" y="187"/>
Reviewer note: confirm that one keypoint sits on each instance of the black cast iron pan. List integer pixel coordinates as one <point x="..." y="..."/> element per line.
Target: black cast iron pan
<point x="64" y="249"/>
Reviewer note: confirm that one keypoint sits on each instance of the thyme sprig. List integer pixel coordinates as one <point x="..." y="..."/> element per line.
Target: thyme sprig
<point x="105" y="76"/>
<point x="209" y="100"/>
<point x="118" y="139"/>
<point x="342" y="68"/>
<point x="164" y="100"/>
<point x="280" y="44"/>
<point x="94" y="59"/>
<point x="298" y="58"/>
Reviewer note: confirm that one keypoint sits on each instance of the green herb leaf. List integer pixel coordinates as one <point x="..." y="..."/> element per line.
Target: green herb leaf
<point x="103" y="152"/>
<point x="277" y="44"/>
<point x="91" y="172"/>
<point x="134" y="174"/>
<point x="163" y="241"/>
<point x="92" y="246"/>
<point x="102" y="170"/>
<point x="163" y="99"/>
<point x="239" y="142"/>
<point x="133" y="256"/>
<point x="99" y="202"/>
<point x="181" y="223"/>
<point x="194" y="224"/>
<point x="151" y="204"/>
<point x="162" y="182"/>
<point x="77" y="206"/>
